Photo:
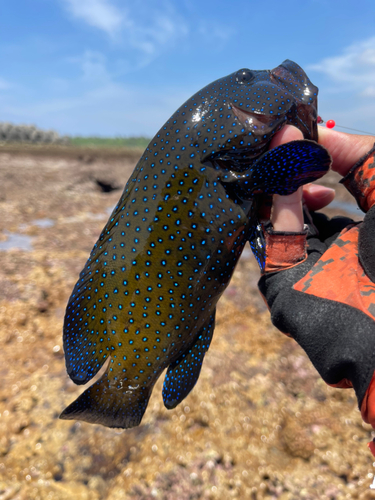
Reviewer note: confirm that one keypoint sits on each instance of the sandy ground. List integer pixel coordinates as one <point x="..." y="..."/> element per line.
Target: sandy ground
<point x="259" y="424"/>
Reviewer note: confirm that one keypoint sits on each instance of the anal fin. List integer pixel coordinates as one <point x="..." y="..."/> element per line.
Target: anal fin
<point x="183" y="373"/>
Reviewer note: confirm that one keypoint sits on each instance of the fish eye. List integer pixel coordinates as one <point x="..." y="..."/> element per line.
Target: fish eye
<point x="244" y="75"/>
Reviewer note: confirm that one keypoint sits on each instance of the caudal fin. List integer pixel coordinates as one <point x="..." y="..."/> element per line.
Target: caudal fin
<point x="110" y="403"/>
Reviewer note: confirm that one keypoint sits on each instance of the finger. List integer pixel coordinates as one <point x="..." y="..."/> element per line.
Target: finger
<point x="287" y="210"/>
<point x="345" y="149"/>
<point x="316" y="196"/>
<point x="286" y="134"/>
<point x="287" y="214"/>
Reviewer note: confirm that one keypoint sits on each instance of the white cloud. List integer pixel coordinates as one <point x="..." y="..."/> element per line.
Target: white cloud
<point x="93" y="67"/>
<point x="4" y="85"/>
<point x="149" y="39"/>
<point x="98" y="13"/>
<point x="368" y="92"/>
<point x="142" y="31"/>
<point x="353" y="69"/>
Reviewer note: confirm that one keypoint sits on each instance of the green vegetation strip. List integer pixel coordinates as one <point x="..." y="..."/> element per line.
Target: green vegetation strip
<point x="107" y="142"/>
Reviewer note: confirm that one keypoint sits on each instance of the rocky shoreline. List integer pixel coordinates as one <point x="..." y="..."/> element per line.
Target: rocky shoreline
<point x="260" y="424"/>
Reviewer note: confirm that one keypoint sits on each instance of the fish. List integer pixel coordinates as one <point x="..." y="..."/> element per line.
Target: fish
<point x="146" y="299"/>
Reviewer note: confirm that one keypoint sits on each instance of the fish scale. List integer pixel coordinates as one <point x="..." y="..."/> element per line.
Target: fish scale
<point x="147" y="295"/>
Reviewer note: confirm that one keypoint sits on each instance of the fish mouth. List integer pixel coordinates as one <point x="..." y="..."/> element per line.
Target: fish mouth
<point x="255" y="119"/>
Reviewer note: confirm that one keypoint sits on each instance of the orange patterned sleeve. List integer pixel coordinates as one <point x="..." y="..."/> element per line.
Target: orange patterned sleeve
<point x="360" y="181"/>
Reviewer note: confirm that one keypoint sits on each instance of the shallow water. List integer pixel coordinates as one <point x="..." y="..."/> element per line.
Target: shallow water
<point x="44" y="223"/>
<point x="349" y="208"/>
<point x="16" y="241"/>
<point x="21" y="241"/>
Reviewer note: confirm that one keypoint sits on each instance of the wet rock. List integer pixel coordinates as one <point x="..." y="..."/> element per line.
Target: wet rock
<point x="107" y="185"/>
<point x="294" y="438"/>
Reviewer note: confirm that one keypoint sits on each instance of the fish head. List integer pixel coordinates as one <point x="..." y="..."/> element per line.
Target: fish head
<point x="233" y="120"/>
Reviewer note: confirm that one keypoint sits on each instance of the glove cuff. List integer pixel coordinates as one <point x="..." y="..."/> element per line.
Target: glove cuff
<point x="284" y="249"/>
<point x="360" y="180"/>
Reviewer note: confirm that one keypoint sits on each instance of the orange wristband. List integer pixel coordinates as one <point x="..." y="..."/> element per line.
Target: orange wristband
<point x="284" y="250"/>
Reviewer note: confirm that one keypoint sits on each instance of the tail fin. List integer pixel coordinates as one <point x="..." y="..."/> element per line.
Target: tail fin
<point x="111" y="403"/>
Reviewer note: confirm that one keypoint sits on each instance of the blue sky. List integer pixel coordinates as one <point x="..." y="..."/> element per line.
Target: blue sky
<point x="121" y="67"/>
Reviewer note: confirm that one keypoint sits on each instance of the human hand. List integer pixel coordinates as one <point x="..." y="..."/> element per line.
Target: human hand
<point x="324" y="297"/>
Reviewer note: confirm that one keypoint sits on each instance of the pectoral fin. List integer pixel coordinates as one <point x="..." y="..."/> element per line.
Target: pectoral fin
<point x="281" y="170"/>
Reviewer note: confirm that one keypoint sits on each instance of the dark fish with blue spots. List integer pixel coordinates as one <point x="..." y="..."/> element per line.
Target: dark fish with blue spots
<point x="147" y="295"/>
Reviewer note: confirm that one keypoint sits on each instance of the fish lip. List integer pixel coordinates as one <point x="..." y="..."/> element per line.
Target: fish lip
<point x="261" y="126"/>
<point x="243" y="115"/>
